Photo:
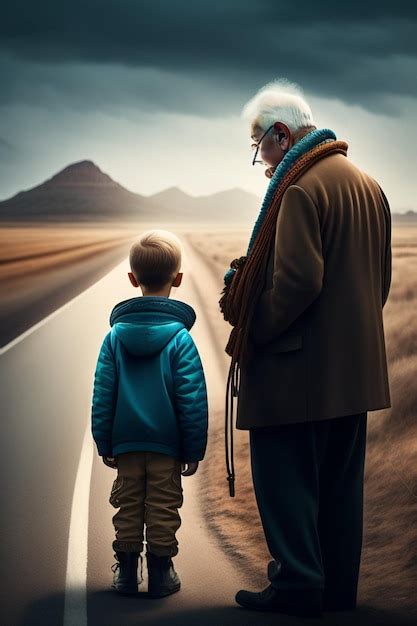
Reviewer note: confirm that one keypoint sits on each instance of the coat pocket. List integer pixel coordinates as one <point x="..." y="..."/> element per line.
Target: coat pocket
<point x="115" y="492"/>
<point x="285" y="343"/>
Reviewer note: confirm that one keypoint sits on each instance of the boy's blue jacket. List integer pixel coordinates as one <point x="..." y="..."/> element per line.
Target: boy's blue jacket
<point x="149" y="385"/>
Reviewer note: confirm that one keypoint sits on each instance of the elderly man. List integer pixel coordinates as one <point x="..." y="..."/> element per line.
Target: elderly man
<point x="307" y="302"/>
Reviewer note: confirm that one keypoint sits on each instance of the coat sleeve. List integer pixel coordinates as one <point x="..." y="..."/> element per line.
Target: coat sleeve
<point x="190" y="399"/>
<point x="104" y="398"/>
<point x="387" y="264"/>
<point x="298" y="267"/>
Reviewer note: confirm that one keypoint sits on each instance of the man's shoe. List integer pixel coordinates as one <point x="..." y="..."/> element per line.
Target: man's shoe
<point x="299" y="602"/>
<point x="162" y="577"/>
<point x="125" y="579"/>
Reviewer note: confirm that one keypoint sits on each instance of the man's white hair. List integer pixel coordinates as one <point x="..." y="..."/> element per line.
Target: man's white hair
<point x="279" y="101"/>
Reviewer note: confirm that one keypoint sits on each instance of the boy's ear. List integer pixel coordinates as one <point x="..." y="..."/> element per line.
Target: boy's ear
<point x="177" y="280"/>
<point x="133" y="279"/>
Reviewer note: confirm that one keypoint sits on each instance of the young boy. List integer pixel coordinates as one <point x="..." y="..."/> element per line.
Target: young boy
<point x="150" y="414"/>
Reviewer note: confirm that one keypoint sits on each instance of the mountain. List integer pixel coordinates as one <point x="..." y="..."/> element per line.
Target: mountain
<point x="81" y="174"/>
<point x="174" y="199"/>
<point x="232" y="205"/>
<point x="82" y="192"/>
<point x="405" y="218"/>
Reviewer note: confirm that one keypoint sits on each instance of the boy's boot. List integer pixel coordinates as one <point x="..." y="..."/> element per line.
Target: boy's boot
<point x="125" y="570"/>
<point x="162" y="577"/>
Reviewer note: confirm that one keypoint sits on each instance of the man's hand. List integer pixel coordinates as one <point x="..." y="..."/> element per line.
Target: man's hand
<point x="110" y="461"/>
<point x="192" y="468"/>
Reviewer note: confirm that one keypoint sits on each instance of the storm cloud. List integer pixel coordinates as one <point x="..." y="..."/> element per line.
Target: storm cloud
<point x="364" y="54"/>
<point x="144" y="87"/>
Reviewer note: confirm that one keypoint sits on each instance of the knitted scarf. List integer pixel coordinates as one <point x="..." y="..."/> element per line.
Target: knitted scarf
<point x="244" y="280"/>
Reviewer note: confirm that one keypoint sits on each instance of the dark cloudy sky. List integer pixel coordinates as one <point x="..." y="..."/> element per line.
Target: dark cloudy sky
<point x="152" y="91"/>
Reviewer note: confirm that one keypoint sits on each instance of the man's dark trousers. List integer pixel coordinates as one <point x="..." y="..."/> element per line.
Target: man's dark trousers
<point x="308" y="481"/>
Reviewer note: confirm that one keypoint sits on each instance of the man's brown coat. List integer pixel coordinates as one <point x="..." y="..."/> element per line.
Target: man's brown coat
<point x="317" y="335"/>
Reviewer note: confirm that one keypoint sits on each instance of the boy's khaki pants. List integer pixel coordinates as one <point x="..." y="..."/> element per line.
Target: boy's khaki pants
<point x="148" y="491"/>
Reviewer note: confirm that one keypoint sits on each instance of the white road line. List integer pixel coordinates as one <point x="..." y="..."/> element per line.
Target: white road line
<point x="75" y="607"/>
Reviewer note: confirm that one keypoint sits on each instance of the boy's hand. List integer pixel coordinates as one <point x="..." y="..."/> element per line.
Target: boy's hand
<point x="192" y="468"/>
<point x="110" y="461"/>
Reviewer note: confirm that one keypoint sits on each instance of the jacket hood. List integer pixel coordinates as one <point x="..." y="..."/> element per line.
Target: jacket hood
<point x="144" y="325"/>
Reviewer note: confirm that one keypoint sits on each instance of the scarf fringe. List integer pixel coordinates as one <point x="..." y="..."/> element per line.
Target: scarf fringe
<point x="232" y="391"/>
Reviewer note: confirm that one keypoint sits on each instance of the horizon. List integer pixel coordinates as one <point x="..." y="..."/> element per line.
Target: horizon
<point x="161" y="191"/>
<point x="172" y="187"/>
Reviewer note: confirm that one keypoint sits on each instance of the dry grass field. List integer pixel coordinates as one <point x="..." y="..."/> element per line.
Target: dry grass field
<point x="389" y="558"/>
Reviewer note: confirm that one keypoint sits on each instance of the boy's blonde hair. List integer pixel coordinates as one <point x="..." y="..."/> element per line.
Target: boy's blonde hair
<point x="155" y="258"/>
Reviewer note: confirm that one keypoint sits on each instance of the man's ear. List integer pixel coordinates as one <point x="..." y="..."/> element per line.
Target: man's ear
<point x="133" y="279"/>
<point x="283" y="134"/>
<point x="177" y="280"/>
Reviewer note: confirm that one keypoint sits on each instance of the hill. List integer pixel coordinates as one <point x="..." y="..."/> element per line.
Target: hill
<point x="82" y="192"/>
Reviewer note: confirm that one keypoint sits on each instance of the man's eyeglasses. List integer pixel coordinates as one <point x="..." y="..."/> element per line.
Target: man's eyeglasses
<point x="256" y="146"/>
